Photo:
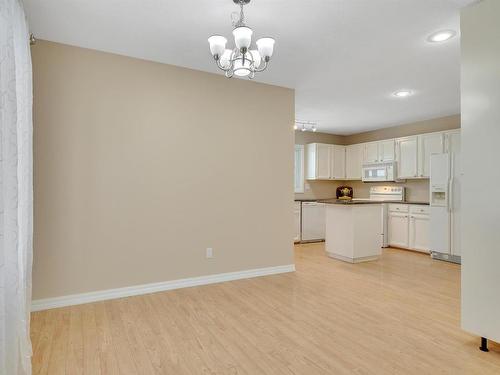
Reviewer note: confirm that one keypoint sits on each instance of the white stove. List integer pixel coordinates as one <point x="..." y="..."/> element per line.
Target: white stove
<point x="387" y="193"/>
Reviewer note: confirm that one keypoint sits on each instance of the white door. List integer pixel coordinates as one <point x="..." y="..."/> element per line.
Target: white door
<point x="338" y="162"/>
<point x="428" y="144"/>
<point x="419" y="232"/>
<point x="296" y="213"/>
<point x="323" y="161"/>
<point x="440" y="230"/>
<point x="398" y="230"/>
<point x="354" y="162"/>
<point x="406" y="156"/>
<point x="440" y="174"/>
<point x="386" y="150"/>
<point x="371" y="152"/>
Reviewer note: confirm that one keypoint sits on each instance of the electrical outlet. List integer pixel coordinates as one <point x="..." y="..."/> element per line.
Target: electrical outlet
<point x="209" y="253"/>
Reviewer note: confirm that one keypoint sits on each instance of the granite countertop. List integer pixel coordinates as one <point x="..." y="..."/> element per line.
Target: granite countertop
<point x="367" y="201"/>
<point x="348" y="202"/>
<point x="310" y="200"/>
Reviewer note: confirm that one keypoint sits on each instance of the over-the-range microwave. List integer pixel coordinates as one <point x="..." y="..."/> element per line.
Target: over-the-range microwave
<point x="375" y="172"/>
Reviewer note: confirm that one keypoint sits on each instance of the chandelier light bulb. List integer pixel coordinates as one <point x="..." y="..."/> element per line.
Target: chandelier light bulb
<point x="225" y="59"/>
<point x="256" y="58"/>
<point x="217" y="45"/>
<point x="265" y="47"/>
<point x="242" y="69"/>
<point x="242" y="37"/>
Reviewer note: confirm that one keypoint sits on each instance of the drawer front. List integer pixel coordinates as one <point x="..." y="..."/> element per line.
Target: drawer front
<point x="394" y="207"/>
<point x="420" y="209"/>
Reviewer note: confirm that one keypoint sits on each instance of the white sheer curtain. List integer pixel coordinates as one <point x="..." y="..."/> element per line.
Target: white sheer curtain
<point x="16" y="189"/>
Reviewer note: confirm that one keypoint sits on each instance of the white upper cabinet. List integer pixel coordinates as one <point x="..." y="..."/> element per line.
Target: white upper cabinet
<point x="319" y="166"/>
<point x="370" y="152"/>
<point x="338" y="162"/>
<point x="412" y="154"/>
<point x="354" y="161"/>
<point x="323" y="161"/>
<point x="407" y="157"/>
<point x="386" y="150"/>
<point x="377" y="152"/>
<point x="428" y="144"/>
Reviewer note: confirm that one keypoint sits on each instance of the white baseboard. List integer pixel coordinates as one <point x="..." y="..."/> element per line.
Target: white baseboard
<point x="78" y="299"/>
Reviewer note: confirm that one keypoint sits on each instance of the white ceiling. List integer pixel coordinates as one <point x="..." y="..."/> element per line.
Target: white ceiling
<point x="343" y="57"/>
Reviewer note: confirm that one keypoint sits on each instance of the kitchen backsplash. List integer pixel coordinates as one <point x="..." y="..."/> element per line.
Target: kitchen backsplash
<point x="416" y="190"/>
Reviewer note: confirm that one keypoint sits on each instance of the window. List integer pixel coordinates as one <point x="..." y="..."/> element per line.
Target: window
<point x="299" y="168"/>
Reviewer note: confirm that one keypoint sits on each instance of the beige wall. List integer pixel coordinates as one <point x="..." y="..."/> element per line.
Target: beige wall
<point x="140" y="166"/>
<point x="303" y="138"/>
<point x="421" y="127"/>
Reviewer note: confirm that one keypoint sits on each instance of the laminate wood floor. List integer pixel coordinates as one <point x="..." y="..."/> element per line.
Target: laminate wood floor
<point x="398" y="315"/>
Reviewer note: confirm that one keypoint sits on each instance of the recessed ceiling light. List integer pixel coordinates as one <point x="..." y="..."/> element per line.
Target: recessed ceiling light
<point x="403" y="93"/>
<point x="441" y="36"/>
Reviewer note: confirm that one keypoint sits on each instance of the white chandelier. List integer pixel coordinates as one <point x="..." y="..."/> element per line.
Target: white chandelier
<point x="241" y="61"/>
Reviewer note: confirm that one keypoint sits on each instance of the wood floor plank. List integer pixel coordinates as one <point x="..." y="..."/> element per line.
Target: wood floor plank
<point x="91" y="363"/>
<point x="397" y="315"/>
<point x="74" y="356"/>
<point x="107" y="359"/>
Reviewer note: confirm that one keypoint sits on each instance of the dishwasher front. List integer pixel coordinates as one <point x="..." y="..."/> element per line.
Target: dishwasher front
<point x="313" y="221"/>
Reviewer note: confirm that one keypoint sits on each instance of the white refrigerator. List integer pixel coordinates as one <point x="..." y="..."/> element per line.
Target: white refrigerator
<point x="445" y="182"/>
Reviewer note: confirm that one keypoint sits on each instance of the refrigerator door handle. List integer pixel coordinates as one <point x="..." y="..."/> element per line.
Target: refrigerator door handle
<point x="451" y="183"/>
<point x="450" y="195"/>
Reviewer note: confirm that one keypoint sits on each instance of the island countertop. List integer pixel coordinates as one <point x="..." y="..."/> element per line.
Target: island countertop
<point x="365" y="201"/>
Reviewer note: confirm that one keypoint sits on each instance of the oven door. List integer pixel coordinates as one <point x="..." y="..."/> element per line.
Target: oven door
<point x="375" y="173"/>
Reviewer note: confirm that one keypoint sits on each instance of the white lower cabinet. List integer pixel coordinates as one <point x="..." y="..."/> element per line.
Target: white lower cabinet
<point x="419" y="232"/>
<point x="398" y="229"/>
<point x="408" y="227"/>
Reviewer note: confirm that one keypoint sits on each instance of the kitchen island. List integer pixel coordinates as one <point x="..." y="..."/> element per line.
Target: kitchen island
<point x="354" y="230"/>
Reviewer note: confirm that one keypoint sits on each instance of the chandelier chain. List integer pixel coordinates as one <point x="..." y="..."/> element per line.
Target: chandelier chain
<point x="241" y="21"/>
